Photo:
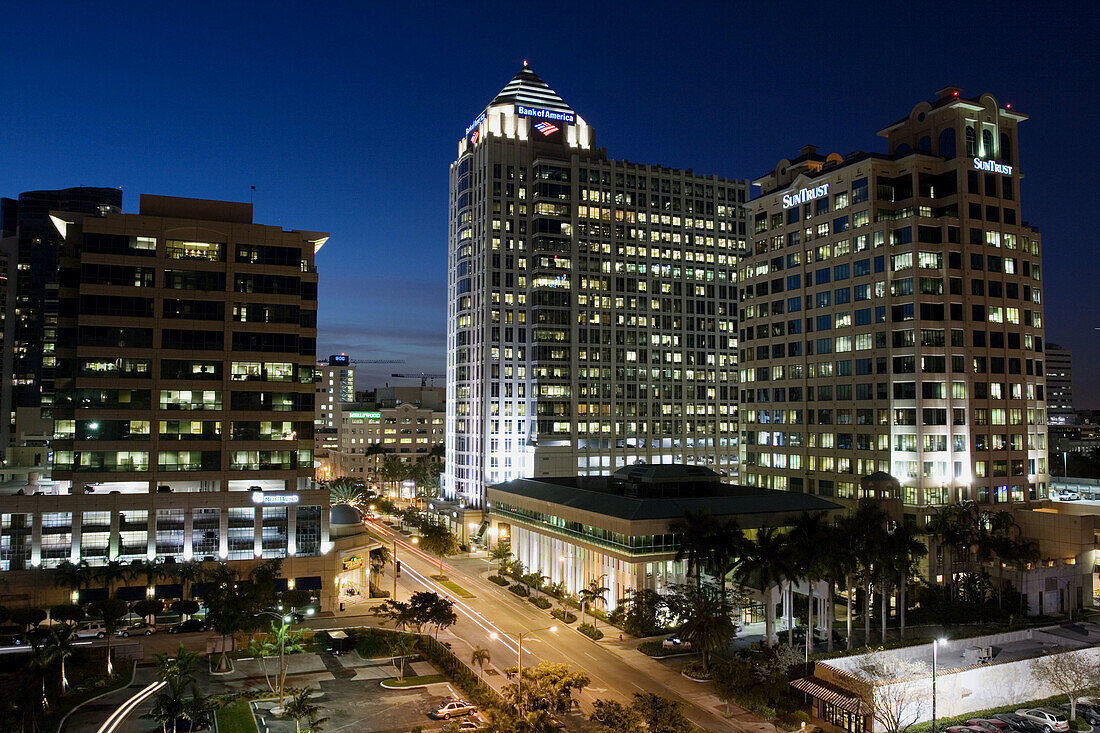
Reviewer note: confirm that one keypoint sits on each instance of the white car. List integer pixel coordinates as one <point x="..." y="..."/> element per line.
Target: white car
<point x="675" y="642"/>
<point x="452" y="709"/>
<point x="1051" y="720"/>
<point x="92" y="629"/>
<point x="1067" y="495"/>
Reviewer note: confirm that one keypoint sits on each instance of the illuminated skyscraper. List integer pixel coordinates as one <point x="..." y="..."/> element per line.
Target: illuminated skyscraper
<point x="891" y="316"/>
<point x="591" y="303"/>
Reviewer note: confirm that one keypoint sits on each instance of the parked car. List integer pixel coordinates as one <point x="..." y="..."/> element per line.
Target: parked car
<point x="675" y="642"/>
<point x="470" y="725"/>
<point x="11" y="636"/>
<point x="1090" y="713"/>
<point x="91" y="629"/>
<point x="1051" y="720"/>
<point x="1068" y="495"/>
<point x="139" y="629"/>
<point x="990" y="724"/>
<point x="966" y="729"/>
<point x="452" y="709"/>
<point x="1018" y="723"/>
<point x="189" y="626"/>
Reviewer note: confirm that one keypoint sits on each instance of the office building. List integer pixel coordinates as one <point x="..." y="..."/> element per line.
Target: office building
<point x="183" y="419"/>
<point x="891" y="317"/>
<point x="1059" y="377"/>
<point x="30" y="337"/>
<point x="591" y="318"/>
<point x="335" y="385"/>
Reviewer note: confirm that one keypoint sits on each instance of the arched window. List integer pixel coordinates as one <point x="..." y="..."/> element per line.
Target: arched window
<point x="902" y="149"/>
<point x="971" y="142"/>
<point x="1006" y="149"/>
<point x="925" y="144"/>
<point x="987" y="144"/>
<point x="947" y="143"/>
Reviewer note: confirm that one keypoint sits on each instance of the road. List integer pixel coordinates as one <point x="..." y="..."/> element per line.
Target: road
<point x="615" y="672"/>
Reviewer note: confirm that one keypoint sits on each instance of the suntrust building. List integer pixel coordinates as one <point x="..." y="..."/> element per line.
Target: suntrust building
<point x="891" y="316"/>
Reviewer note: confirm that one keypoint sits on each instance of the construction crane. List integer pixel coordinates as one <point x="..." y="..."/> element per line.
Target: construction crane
<point x="422" y="376"/>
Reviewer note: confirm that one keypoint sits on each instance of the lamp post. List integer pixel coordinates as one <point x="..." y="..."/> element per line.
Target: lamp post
<point x="518" y="636"/>
<point x="935" y="645"/>
<point x="285" y="620"/>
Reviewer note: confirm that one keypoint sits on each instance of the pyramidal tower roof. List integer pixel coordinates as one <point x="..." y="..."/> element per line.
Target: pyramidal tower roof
<point x="528" y="88"/>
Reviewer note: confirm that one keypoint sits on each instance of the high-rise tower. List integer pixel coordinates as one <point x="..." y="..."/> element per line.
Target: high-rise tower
<point x="891" y="317"/>
<point x="591" y="303"/>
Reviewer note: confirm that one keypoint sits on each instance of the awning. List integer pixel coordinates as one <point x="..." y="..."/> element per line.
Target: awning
<point x="310" y="582"/>
<point x="843" y="699"/>
<point x="171" y="590"/>
<point x="131" y="593"/>
<point x="89" y="595"/>
<point x="280" y="585"/>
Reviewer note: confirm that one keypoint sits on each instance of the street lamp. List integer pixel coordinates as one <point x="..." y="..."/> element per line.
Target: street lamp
<point x="518" y="636"/>
<point x="935" y="645"/>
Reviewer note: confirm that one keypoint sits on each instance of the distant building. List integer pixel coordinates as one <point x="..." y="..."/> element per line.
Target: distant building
<point x="335" y="385"/>
<point x="1059" y="374"/>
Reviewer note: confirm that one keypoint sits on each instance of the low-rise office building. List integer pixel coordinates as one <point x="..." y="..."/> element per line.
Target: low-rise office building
<point x="619" y="527"/>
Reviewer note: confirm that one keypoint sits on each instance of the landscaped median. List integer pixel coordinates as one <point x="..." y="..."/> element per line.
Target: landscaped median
<point x="453" y="587"/>
<point x="392" y="683"/>
<point x="236" y="717"/>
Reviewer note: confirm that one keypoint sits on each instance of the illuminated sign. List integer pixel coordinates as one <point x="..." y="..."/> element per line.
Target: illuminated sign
<point x="365" y="415"/>
<point x="477" y="121"/>
<point x="338" y="359"/>
<point x="804" y="195"/>
<point x="259" y="497"/>
<point x="474" y="136"/>
<point x="992" y="166"/>
<point x="546" y="128"/>
<point x="545" y="114"/>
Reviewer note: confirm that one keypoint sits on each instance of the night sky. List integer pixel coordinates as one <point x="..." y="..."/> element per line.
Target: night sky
<point x="345" y="117"/>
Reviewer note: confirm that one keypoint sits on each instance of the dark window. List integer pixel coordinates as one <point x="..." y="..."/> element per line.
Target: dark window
<point x="947" y="143"/>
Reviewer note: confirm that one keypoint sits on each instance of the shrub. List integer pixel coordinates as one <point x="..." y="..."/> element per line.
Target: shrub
<point x="564" y="616"/>
<point x="590" y="631"/>
<point x="376" y="592"/>
<point x="519" y="590"/>
<point x="654" y="648"/>
<point x="695" y="671"/>
<point x="540" y="602"/>
<point x="498" y="580"/>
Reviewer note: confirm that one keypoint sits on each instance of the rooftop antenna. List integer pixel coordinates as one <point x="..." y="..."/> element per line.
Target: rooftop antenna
<point x="251" y="194"/>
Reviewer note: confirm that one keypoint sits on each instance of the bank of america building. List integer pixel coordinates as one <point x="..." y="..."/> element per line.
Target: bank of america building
<point x="591" y="303"/>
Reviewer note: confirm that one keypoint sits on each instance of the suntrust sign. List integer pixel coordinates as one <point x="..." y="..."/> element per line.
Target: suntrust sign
<point x="259" y="497"/>
<point x="992" y="166"/>
<point x="804" y="195"/>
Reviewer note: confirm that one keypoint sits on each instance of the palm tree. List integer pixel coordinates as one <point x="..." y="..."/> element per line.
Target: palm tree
<point x="111" y="573"/>
<point x="838" y="563"/>
<point x="300" y="706"/>
<point x="706" y="619"/>
<point x="592" y="593"/>
<point x="41" y="659"/>
<point x="727" y="548"/>
<point x="111" y="611"/>
<point x="500" y="554"/>
<point x="347" y="491"/>
<point x="151" y="570"/>
<point x="480" y="657"/>
<point x="62" y="644"/>
<point x="188" y="573"/>
<point x="869" y="547"/>
<point x="903" y="550"/>
<point x="805" y="543"/>
<point x="379" y="556"/>
<point x="766" y="563"/>
<point x="696" y="532"/>
<point x="74" y="576"/>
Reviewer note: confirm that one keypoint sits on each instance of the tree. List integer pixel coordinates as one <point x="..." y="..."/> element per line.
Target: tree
<point x="348" y="491"/>
<point x="592" y="593"/>
<point x="301" y="706"/>
<point x="178" y="699"/>
<point x="705" y="618"/>
<point x="534" y="580"/>
<point x="401" y="646"/>
<point x="148" y="608"/>
<point x="696" y="532"/>
<point x="62" y="644"/>
<point x="547" y="686"/>
<point x="766" y="563"/>
<point x="189" y="573"/>
<point x="67" y="613"/>
<point x="111" y="573"/>
<point x="379" y="557"/>
<point x="295" y="598"/>
<point x="614" y="717"/>
<point x="660" y="714"/>
<point x="233" y="605"/>
<point x="28" y="617"/>
<point x="151" y="570"/>
<point x="74" y="576"/>
<point x="1070" y="674"/>
<point x="892" y="690"/>
<point x="281" y="642"/>
<point x="641" y="612"/>
<point x="438" y="540"/>
<point x="38" y="667"/>
<point x="902" y="552"/>
<point x="396" y="611"/>
<point x="111" y="612"/>
<point x="481" y="657"/>
<point x="185" y="607"/>
<point x="428" y="609"/>
<point x="808" y="534"/>
<point x="500" y="554"/>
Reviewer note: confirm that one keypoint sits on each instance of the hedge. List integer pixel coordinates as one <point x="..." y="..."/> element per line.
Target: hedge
<point x="499" y="580"/>
<point x="540" y="602"/>
<point x="563" y="616"/>
<point x="590" y="631"/>
<point x="520" y="590"/>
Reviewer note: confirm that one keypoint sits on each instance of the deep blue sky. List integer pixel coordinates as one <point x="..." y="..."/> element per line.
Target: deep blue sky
<point x="345" y="116"/>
